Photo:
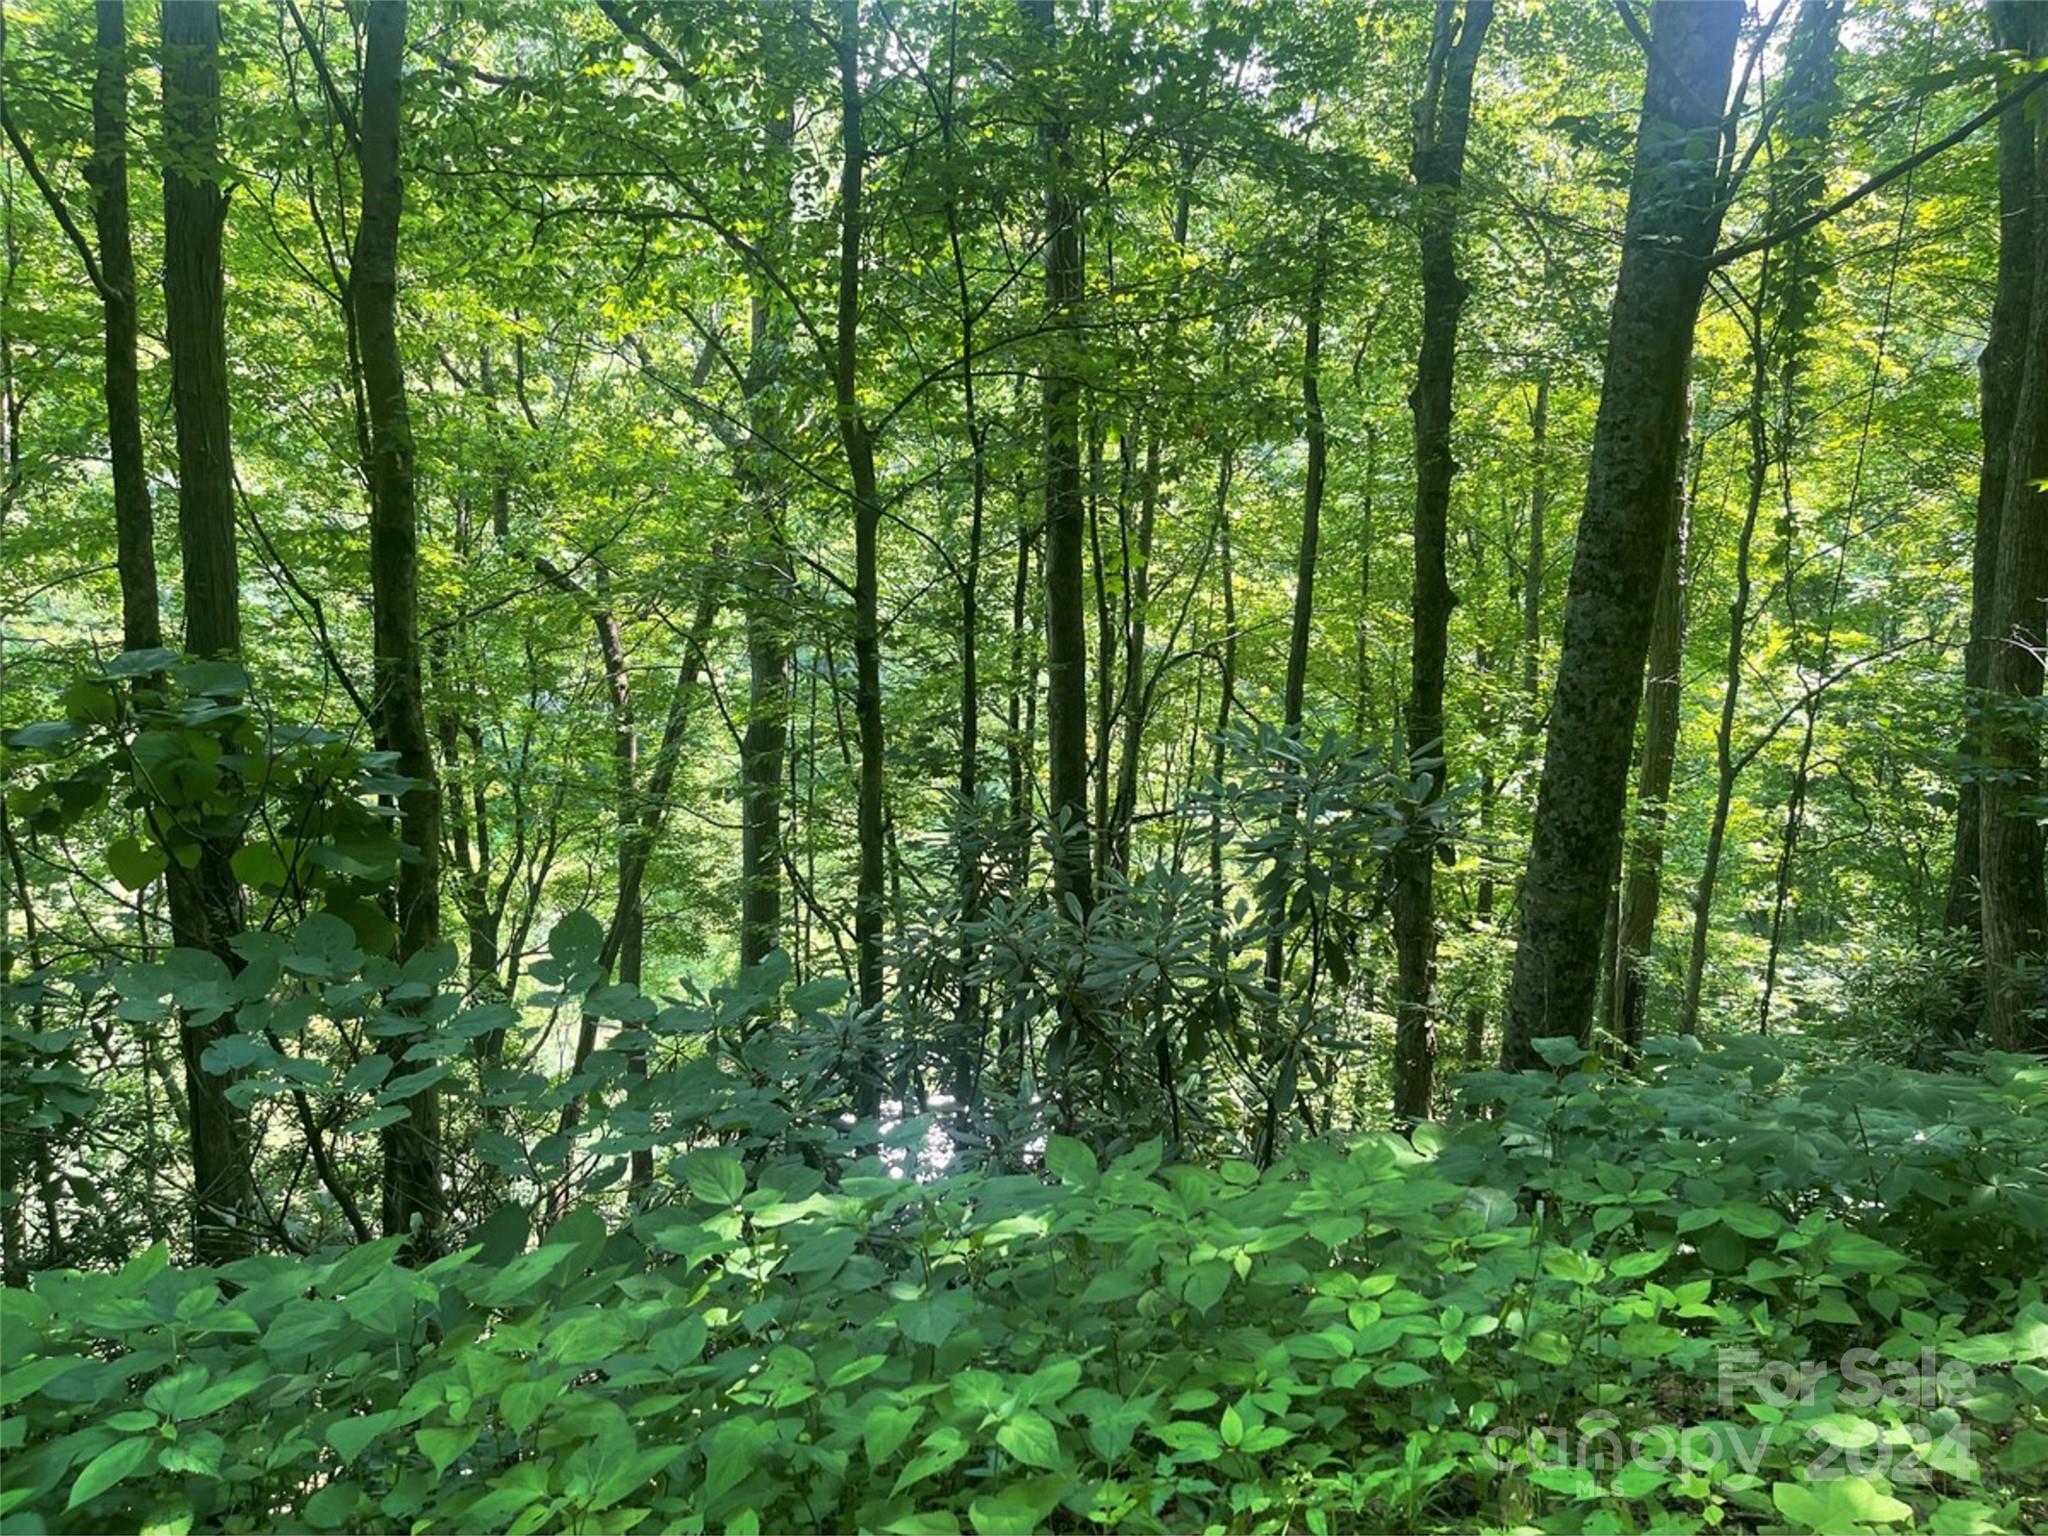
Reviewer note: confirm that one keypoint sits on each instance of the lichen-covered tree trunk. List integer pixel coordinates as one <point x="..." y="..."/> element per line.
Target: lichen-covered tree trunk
<point x="1674" y="217"/>
<point x="1443" y="114"/>
<point x="413" y="1196"/>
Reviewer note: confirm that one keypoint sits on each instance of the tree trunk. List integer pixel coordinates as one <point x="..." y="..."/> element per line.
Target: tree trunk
<point x="1302" y="628"/>
<point x="205" y="900"/>
<point x="1532" y="573"/>
<point x="1673" y="220"/>
<point x="413" y="1196"/>
<point x="2015" y="904"/>
<point x="967" y="1022"/>
<point x="1361" y="680"/>
<point x="1226" y="707"/>
<point x="770" y="590"/>
<point x="1136" y="691"/>
<point x="1066" y="643"/>
<point x="1999" y="370"/>
<point x="134" y="533"/>
<point x="872" y="893"/>
<point x="1443" y="113"/>
<point x="1017" y="724"/>
<point x="1643" y="882"/>
<point x="1726" y="767"/>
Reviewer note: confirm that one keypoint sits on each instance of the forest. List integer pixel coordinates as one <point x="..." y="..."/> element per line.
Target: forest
<point x="994" y="766"/>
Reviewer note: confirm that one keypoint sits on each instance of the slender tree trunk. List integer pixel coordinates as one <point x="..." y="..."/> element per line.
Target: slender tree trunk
<point x="1136" y="694"/>
<point x="1999" y="370"/>
<point x="1532" y="572"/>
<point x="1642" y="884"/>
<point x="1726" y="767"/>
<point x="769" y="585"/>
<point x="1066" y="644"/>
<point x="1138" y="687"/>
<point x="872" y="894"/>
<point x="2015" y="902"/>
<point x="1674" y="218"/>
<point x="134" y="532"/>
<point x="1443" y="114"/>
<point x="1017" y="725"/>
<point x="1104" y="692"/>
<point x="768" y="591"/>
<point x="413" y="1196"/>
<point x="1361" y="681"/>
<point x="205" y="900"/>
<point x="1302" y="628"/>
<point x="1226" y="707"/>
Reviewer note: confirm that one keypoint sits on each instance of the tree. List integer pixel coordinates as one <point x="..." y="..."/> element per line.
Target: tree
<point x="2000" y="369"/>
<point x="2014" y="900"/>
<point x="1643" y="876"/>
<point x="1066" y="528"/>
<point x="858" y="442"/>
<point x="1443" y="114"/>
<point x="205" y="897"/>
<point x="1674" y="218"/>
<point x="413" y="1195"/>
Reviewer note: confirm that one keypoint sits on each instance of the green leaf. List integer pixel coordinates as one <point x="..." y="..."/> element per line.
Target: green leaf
<point x="928" y="1319"/>
<point x="442" y="1446"/>
<point x="885" y="1429"/>
<point x="1838" y="1504"/>
<point x="1632" y="1266"/>
<point x="1070" y="1161"/>
<point x="941" y="1449"/>
<point x="715" y="1176"/>
<point x="1206" y="1284"/>
<point x="349" y="1435"/>
<point x="118" y="1461"/>
<point x="576" y="939"/>
<point x="1855" y="1253"/>
<point x="134" y="865"/>
<point x="258" y="866"/>
<point x="332" y="1505"/>
<point x="1021" y="1507"/>
<point x="1030" y="1437"/>
<point x="731" y="1454"/>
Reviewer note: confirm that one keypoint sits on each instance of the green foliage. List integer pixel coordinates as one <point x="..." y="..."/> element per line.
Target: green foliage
<point x="1368" y="1335"/>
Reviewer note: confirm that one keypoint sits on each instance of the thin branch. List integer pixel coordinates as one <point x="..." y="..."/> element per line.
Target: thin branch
<point x="1882" y="179"/>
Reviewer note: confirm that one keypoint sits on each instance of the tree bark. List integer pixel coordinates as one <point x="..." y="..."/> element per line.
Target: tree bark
<point x="2015" y="903"/>
<point x="414" y="1201"/>
<point x="107" y="171"/>
<point x="1674" y="218"/>
<point x="1643" y="882"/>
<point x="769" y="586"/>
<point x="872" y="894"/>
<point x="205" y="900"/>
<point x="1302" y="628"/>
<point x="1443" y="114"/>
<point x="1999" y="370"/>
<point x="1066" y="643"/>
<point x="1532" y="572"/>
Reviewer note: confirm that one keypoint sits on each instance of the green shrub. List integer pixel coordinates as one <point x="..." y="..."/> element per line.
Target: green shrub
<point x="1367" y="1336"/>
